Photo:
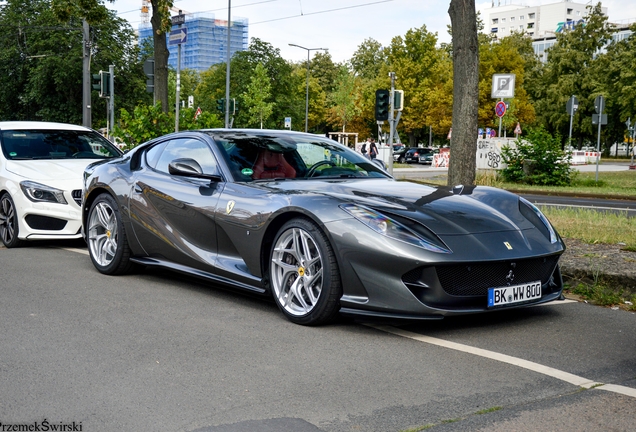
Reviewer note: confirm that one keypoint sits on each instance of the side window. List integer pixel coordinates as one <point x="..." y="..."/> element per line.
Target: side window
<point x="184" y="148"/>
<point x="153" y="153"/>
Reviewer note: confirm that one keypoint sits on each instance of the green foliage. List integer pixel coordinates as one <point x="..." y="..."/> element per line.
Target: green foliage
<point x="537" y="160"/>
<point x="148" y="122"/>
<point x="256" y="97"/>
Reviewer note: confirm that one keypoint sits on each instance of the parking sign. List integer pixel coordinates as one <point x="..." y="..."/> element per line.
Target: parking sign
<point x="503" y="86"/>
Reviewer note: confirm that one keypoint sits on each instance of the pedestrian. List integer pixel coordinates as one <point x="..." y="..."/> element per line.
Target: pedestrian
<point x="373" y="149"/>
<point x="364" y="148"/>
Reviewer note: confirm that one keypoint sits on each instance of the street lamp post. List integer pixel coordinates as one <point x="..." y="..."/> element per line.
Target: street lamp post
<point x="307" y="95"/>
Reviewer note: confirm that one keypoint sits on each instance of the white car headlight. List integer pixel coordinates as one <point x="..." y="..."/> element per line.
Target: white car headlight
<point x="386" y="226"/>
<point x="37" y="192"/>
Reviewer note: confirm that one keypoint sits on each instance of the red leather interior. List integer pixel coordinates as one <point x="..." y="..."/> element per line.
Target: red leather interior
<point x="272" y="165"/>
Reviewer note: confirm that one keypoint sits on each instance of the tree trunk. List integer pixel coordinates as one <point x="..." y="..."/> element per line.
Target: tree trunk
<point x="463" y="146"/>
<point x="161" y="56"/>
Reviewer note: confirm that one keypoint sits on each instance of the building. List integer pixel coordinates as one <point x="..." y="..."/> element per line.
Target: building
<point x="536" y="21"/>
<point x="206" y="43"/>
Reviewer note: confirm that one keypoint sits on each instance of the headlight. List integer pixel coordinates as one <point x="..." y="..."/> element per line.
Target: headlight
<point x="386" y="226"/>
<point x="541" y="216"/>
<point x="37" y="192"/>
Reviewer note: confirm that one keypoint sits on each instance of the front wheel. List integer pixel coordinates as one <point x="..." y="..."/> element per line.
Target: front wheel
<point x="9" y="227"/>
<point x="106" y="238"/>
<point x="304" y="274"/>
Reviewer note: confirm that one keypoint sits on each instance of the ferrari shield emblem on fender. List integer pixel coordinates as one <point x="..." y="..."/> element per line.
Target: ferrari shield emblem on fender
<point x="508" y="245"/>
<point x="230" y="206"/>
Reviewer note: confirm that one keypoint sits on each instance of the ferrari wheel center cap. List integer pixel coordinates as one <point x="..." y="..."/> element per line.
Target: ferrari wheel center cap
<point x="301" y="271"/>
<point x="108" y="233"/>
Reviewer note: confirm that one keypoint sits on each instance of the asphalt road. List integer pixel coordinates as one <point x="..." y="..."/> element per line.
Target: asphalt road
<point x="154" y="351"/>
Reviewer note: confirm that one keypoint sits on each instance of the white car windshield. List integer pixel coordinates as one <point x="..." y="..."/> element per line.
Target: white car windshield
<point x="55" y="144"/>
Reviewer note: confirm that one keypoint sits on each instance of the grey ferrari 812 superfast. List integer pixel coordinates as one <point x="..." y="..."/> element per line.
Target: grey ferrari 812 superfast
<point x="320" y="228"/>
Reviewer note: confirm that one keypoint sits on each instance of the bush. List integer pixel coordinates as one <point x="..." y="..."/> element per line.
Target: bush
<point x="537" y="160"/>
<point x="148" y="122"/>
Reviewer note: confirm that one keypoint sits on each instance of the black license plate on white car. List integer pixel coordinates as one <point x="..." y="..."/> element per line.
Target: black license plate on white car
<point x="509" y="295"/>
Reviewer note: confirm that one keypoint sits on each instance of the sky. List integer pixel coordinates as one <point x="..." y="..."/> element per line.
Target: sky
<point x="340" y="25"/>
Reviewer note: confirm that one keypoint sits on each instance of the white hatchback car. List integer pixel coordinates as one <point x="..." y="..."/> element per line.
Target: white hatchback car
<point x="41" y="169"/>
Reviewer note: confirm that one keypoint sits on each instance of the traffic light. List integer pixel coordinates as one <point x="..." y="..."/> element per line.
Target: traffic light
<point x="149" y="70"/>
<point x="97" y="81"/>
<point x="220" y="104"/>
<point x="233" y="106"/>
<point x="101" y="82"/>
<point x="104" y="91"/>
<point x="398" y="100"/>
<point x="381" y="105"/>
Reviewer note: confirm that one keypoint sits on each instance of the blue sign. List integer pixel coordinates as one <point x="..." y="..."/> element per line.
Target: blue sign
<point x="179" y="36"/>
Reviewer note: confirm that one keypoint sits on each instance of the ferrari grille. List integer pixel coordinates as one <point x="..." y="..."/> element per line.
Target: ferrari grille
<point x="77" y="196"/>
<point x="475" y="279"/>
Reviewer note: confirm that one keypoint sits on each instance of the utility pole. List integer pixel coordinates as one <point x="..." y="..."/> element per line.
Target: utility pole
<point x="391" y="121"/>
<point x="111" y="99"/>
<point x="227" y="67"/>
<point x="86" y="76"/>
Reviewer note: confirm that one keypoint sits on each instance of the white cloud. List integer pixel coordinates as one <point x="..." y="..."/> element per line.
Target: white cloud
<point x="340" y="25"/>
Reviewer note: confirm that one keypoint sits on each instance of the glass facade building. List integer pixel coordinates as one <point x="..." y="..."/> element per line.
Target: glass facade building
<point x="206" y="43"/>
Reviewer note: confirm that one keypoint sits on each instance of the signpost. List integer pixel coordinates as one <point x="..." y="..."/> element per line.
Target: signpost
<point x="571" y="106"/>
<point x="599" y="106"/>
<point x="503" y="86"/>
<point x="178" y="37"/>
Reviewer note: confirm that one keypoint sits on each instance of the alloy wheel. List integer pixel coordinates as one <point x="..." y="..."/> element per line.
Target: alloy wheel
<point x="8" y="221"/>
<point x="296" y="272"/>
<point x="102" y="233"/>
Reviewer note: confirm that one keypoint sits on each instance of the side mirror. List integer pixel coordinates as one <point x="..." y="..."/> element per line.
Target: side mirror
<point x="380" y="163"/>
<point x="187" y="167"/>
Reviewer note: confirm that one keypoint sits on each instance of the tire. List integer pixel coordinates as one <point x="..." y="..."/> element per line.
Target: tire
<point x="303" y="274"/>
<point x="9" y="226"/>
<point x="107" y="242"/>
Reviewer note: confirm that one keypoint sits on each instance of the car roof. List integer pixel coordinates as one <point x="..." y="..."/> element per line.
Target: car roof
<point x="20" y="125"/>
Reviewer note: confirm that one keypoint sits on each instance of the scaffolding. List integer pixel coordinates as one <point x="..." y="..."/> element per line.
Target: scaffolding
<point x="207" y="41"/>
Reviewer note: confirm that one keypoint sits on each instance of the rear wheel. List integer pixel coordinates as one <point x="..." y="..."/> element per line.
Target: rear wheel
<point x="304" y="274"/>
<point x="107" y="241"/>
<point x="9" y="227"/>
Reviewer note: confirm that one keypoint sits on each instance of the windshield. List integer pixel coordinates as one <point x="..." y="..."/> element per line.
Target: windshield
<point x="253" y="157"/>
<point x="55" y="144"/>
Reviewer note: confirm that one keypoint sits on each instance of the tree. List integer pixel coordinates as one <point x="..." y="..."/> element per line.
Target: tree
<point x="161" y="24"/>
<point x="41" y="60"/>
<point x="256" y="96"/>
<point x="343" y="99"/>
<point x="368" y="59"/>
<point x="421" y="69"/>
<point x="462" y="163"/>
<point x="570" y="71"/>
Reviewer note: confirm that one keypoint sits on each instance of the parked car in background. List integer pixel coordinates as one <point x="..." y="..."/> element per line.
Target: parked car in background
<point x="318" y="227"/>
<point x="426" y="155"/>
<point x="41" y="167"/>
<point x="412" y="155"/>
<point x="398" y="152"/>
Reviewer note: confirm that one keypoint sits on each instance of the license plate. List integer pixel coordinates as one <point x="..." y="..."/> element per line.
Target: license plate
<point x="504" y="296"/>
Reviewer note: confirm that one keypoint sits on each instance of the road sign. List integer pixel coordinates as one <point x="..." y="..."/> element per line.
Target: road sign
<point x="599" y="104"/>
<point x="503" y="86"/>
<point x="603" y="119"/>
<point x="288" y="122"/>
<point x="572" y="105"/>
<point x="518" y="129"/>
<point x="178" y="19"/>
<point x="500" y="109"/>
<point x="179" y="36"/>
